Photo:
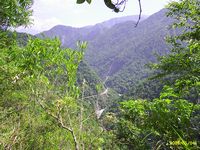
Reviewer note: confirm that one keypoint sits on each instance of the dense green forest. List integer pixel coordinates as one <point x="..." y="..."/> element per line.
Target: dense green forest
<point x="125" y="88"/>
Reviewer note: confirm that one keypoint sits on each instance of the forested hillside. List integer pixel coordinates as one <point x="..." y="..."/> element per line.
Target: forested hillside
<point x="56" y="93"/>
<point x="122" y="52"/>
<point x="119" y="53"/>
<point x="70" y="35"/>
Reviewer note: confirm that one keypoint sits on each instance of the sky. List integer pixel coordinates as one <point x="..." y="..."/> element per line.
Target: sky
<point x="48" y="13"/>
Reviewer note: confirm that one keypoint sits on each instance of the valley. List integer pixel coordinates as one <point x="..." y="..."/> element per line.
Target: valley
<point x="88" y="81"/>
<point x="117" y="51"/>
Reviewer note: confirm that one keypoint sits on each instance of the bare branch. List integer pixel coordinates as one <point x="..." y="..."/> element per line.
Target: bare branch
<point x="59" y="120"/>
<point x="139" y="2"/>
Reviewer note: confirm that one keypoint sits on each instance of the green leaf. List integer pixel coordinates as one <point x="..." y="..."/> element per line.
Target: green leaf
<point x="109" y="4"/>
<point x="89" y="1"/>
<point x="80" y="1"/>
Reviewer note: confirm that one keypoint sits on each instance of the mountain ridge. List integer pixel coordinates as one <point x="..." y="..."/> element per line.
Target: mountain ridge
<point x="119" y="54"/>
<point x="107" y="23"/>
<point x="86" y="33"/>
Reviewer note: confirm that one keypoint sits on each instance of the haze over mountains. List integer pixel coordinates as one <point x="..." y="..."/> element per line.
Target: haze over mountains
<point x="117" y="50"/>
<point x="70" y="35"/>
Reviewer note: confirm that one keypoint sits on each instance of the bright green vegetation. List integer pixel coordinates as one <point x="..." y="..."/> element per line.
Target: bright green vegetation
<point x="169" y="122"/>
<point x="51" y="99"/>
<point x="165" y="122"/>
<point x="15" y="13"/>
<point x="182" y="65"/>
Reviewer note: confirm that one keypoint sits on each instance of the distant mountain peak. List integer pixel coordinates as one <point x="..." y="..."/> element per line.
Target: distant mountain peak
<point x="111" y="22"/>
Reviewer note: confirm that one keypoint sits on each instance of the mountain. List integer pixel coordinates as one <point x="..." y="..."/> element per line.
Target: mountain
<point x="70" y="35"/>
<point x="110" y="23"/>
<point x="85" y="75"/>
<point x="119" y="54"/>
<point x="91" y="80"/>
<point x="117" y="50"/>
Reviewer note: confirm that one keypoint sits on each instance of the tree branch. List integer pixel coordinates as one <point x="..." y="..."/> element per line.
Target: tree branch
<point x="140" y="14"/>
<point x="59" y="120"/>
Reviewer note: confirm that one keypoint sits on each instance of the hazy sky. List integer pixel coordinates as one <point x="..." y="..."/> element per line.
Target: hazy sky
<point x="48" y="13"/>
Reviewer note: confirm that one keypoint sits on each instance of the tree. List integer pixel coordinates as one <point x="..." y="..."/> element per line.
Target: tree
<point x="39" y="99"/>
<point x="182" y="65"/>
<point x="169" y="121"/>
<point x="166" y="122"/>
<point x="14" y="13"/>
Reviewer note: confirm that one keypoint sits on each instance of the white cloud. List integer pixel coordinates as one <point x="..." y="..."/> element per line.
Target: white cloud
<point x="41" y="25"/>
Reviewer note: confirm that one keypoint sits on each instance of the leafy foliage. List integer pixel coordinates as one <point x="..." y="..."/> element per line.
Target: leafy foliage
<point x="40" y="79"/>
<point x="42" y="105"/>
<point x="145" y="89"/>
<point x="165" y="122"/>
<point x="14" y="13"/>
<point x="169" y="121"/>
<point x="82" y="1"/>
<point x="183" y="63"/>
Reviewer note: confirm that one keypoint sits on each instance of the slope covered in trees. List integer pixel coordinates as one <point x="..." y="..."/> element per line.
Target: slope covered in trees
<point x="118" y="54"/>
<point x="70" y="35"/>
<point x="169" y="121"/>
<point x="122" y="52"/>
<point x="43" y="107"/>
